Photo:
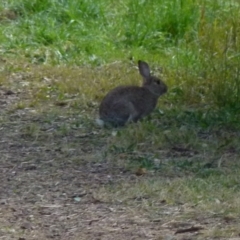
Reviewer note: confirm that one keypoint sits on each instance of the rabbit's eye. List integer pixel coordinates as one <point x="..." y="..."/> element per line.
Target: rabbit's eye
<point x="158" y="82"/>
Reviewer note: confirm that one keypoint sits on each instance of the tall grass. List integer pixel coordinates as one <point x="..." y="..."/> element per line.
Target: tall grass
<point x="197" y="42"/>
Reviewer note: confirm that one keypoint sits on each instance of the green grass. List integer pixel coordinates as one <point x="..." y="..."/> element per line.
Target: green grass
<point x="74" y="48"/>
<point x="62" y="57"/>
<point x="196" y="42"/>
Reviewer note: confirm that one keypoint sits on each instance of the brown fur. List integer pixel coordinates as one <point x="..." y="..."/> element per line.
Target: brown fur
<point x="131" y="103"/>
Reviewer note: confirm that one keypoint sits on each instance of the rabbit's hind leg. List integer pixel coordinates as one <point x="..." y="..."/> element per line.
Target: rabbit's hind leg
<point x="122" y="112"/>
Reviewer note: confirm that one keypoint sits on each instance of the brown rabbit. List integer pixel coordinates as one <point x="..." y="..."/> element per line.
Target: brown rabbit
<point x="130" y="103"/>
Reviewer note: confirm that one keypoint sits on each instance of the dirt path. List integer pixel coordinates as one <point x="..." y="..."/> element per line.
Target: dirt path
<point x="51" y="178"/>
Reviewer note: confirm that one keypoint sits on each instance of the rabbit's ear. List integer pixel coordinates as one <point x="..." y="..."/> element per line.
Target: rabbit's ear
<point x="144" y="70"/>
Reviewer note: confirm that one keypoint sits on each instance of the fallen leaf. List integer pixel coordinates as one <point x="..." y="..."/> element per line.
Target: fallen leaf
<point x="141" y="171"/>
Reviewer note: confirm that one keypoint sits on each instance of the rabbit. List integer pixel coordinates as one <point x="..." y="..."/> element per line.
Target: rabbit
<point x="126" y="104"/>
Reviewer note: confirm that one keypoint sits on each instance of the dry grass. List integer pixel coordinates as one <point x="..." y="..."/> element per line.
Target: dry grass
<point x="62" y="177"/>
<point x="174" y="175"/>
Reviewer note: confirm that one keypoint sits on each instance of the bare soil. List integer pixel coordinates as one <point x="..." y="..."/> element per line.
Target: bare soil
<point x="50" y="180"/>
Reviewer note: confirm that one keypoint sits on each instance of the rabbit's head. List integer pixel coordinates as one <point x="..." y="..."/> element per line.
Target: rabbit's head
<point x="152" y="83"/>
